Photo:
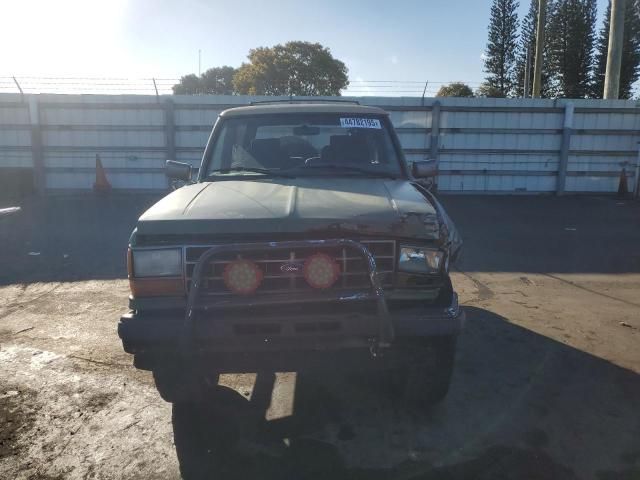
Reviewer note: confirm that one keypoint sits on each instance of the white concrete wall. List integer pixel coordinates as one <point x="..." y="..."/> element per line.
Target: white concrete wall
<point x="484" y="145"/>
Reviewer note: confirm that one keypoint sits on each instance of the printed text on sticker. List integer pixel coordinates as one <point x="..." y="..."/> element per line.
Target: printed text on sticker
<point x="360" y="123"/>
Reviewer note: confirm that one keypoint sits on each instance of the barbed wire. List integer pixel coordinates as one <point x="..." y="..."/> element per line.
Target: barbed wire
<point x="163" y="85"/>
<point x="106" y="85"/>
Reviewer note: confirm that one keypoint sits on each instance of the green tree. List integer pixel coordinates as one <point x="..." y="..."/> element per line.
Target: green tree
<point x="455" y="89"/>
<point x="500" y="55"/>
<point x="188" y="85"/>
<point x="215" y="81"/>
<point x="571" y="47"/>
<point x="295" y="68"/>
<point x="630" y="69"/>
<point x="218" y="81"/>
<point x="528" y="35"/>
<point x="489" y="91"/>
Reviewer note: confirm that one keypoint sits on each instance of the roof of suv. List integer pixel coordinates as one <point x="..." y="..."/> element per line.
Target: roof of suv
<point x="301" y="107"/>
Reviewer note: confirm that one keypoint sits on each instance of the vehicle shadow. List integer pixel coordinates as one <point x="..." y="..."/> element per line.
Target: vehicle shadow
<point x="521" y="406"/>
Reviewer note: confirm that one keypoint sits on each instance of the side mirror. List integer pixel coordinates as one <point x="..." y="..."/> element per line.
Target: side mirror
<point x="424" y="169"/>
<point x="178" y="170"/>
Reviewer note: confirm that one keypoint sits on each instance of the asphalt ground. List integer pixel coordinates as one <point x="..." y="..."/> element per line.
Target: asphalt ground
<point x="546" y="382"/>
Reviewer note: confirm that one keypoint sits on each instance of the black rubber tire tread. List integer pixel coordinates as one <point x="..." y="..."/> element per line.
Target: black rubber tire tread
<point x="177" y="381"/>
<point x="426" y="379"/>
<point x="205" y="432"/>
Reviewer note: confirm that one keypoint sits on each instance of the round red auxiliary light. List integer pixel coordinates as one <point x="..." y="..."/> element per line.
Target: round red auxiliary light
<point x="321" y="271"/>
<point x="242" y="277"/>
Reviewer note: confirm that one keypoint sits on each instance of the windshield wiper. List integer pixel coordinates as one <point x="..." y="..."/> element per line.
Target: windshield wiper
<point x="265" y="171"/>
<point x="350" y="168"/>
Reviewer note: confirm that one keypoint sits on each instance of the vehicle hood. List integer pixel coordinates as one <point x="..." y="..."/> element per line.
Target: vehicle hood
<point x="378" y="207"/>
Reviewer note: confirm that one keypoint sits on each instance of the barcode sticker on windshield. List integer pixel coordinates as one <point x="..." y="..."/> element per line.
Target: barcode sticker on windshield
<point x="360" y="123"/>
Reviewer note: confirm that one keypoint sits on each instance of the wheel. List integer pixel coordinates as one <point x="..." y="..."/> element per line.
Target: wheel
<point x="177" y="381"/>
<point x="211" y="435"/>
<point x="191" y="448"/>
<point x="425" y="378"/>
<point x="206" y="432"/>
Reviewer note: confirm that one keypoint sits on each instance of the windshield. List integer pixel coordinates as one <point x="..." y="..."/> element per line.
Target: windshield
<point x="304" y="145"/>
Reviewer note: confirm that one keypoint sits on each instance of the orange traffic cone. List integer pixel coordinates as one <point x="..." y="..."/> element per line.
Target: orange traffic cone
<point x="622" y="184"/>
<point x="102" y="185"/>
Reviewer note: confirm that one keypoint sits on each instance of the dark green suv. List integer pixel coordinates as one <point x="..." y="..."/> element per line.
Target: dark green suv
<point x="306" y="241"/>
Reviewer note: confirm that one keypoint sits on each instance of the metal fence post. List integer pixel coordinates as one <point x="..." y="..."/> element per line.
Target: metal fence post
<point x="169" y="130"/>
<point x="636" y="182"/>
<point x="39" y="173"/>
<point x="435" y="130"/>
<point x="567" y="128"/>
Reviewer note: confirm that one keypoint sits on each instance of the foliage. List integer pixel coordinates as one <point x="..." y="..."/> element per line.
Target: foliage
<point x="295" y="68"/>
<point x="188" y="85"/>
<point x="215" y="81"/>
<point x="528" y="35"/>
<point x="571" y="47"/>
<point x="630" y="69"/>
<point x="500" y="55"/>
<point x="489" y="91"/>
<point x="455" y="89"/>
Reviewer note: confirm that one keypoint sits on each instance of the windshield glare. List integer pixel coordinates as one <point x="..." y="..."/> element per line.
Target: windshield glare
<point x="305" y="145"/>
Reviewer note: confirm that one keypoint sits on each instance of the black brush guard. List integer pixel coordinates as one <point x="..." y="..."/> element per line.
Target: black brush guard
<point x="385" y="331"/>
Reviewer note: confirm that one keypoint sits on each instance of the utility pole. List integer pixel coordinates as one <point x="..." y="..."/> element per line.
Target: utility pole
<point x="527" y="74"/>
<point x="537" y="74"/>
<point x="614" y="54"/>
<point x="199" y="63"/>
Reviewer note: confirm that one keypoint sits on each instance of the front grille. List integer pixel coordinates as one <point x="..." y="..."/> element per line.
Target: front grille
<point x="353" y="268"/>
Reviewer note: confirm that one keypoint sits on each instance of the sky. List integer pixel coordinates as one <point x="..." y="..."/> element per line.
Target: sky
<point x="407" y="40"/>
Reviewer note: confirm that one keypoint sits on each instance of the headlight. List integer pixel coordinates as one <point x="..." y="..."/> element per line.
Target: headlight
<point x="420" y="260"/>
<point x="157" y="263"/>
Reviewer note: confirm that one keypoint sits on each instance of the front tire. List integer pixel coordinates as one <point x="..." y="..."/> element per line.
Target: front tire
<point x="425" y="378"/>
<point x="179" y="381"/>
<point x="205" y="432"/>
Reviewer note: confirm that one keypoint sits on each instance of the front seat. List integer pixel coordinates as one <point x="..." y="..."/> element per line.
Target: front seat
<point x="267" y="152"/>
<point x="352" y="149"/>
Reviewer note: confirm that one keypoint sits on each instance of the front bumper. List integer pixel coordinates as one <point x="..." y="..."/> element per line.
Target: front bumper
<point x="332" y="321"/>
<point x="163" y="332"/>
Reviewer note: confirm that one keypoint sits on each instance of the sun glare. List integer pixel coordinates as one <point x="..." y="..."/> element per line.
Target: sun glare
<point x="62" y="37"/>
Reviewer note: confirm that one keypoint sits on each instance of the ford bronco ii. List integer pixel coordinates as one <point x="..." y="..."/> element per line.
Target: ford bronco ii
<point x="306" y="241"/>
